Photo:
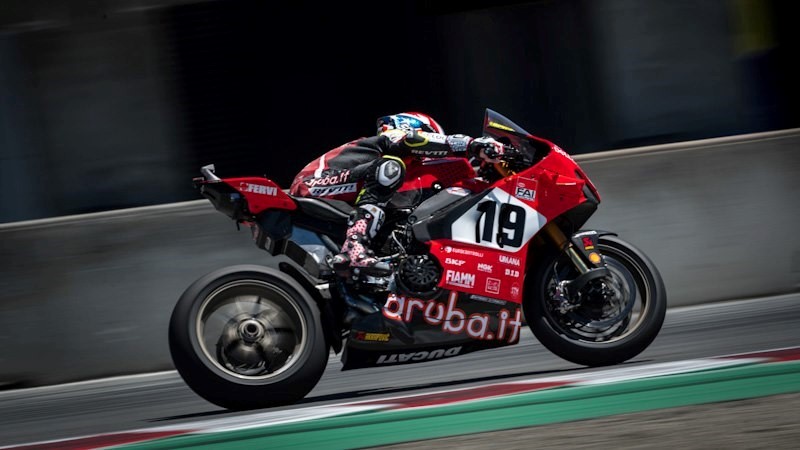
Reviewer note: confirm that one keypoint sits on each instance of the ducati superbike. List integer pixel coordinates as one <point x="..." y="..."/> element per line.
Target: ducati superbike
<point x="476" y="254"/>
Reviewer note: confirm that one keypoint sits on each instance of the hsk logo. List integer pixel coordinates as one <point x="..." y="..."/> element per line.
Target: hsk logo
<point x="454" y="320"/>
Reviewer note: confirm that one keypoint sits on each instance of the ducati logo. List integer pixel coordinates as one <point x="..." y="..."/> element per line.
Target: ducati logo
<point x="418" y="356"/>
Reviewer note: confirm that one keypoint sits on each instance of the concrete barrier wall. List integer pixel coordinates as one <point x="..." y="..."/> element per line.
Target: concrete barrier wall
<point x="90" y="296"/>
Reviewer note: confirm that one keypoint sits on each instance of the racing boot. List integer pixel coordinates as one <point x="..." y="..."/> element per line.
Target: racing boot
<point x="356" y="258"/>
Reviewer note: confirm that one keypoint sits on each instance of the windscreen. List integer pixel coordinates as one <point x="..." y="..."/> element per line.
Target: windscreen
<point x="505" y="130"/>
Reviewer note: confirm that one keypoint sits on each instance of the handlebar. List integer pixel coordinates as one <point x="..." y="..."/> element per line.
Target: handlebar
<point x="511" y="161"/>
<point x="510" y="151"/>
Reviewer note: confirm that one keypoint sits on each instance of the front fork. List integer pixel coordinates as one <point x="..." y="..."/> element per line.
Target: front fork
<point x="583" y="251"/>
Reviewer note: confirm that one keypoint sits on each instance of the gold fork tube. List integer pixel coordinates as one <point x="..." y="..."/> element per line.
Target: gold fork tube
<point x="561" y="241"/>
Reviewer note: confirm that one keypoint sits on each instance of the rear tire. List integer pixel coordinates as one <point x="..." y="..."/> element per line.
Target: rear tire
<point x="599" y="333"/>
<point x="246" y="337"/>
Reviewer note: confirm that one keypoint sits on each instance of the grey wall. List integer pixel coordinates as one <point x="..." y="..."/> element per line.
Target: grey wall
<point x="90" y="296"/>
<point x="717" y="216"/>
<point x="87" y="119"/>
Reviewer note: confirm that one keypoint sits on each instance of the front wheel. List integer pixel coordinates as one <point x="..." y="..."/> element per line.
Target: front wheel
<point x="610" y="320"/>
<point x="247" y="337"/>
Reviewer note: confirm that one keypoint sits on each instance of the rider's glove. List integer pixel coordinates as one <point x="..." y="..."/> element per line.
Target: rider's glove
<point x="487" y="148"/>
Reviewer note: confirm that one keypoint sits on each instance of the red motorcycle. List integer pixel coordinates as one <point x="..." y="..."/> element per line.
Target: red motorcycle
<point x="476" y="252"/>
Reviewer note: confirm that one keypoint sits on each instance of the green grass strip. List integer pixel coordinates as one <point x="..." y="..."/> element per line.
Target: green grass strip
<point x="514" y="411"/>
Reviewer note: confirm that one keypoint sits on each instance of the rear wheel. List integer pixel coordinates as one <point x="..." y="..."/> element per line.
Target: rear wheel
<point x="611" y="319"/>
<point x="248" y="337"/>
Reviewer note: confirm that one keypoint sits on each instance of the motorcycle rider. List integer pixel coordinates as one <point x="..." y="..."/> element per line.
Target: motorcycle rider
<point x="367" y="171"/>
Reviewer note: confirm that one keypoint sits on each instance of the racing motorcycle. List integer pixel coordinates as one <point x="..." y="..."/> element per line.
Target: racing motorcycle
<point x="477" y="252"/>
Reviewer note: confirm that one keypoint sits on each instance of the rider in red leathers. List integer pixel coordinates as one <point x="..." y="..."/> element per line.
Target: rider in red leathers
<point x="367" y="171"/>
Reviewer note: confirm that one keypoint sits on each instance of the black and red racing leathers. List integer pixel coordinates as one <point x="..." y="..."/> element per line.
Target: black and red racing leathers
<point x="369" y="170"/>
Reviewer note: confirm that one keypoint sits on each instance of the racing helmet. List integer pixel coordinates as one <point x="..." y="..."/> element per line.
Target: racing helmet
<point x="409" y="120"/>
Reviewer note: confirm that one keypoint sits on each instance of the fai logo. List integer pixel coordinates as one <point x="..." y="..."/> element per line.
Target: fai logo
<point x="526" y="189"/>
<point x="525" y="193"/>
<point x="460" y="279"/>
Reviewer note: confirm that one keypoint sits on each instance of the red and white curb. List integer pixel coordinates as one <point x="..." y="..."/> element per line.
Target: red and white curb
<point x="416" y="401"/>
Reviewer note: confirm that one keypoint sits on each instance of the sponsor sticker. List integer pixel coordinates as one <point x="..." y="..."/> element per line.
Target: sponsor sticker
<point x="500" y="126"/>
<point x="454" y="320"/>
<point x="324" y="191"/>
<point x="462" y="251"/>
<point x="458" y="191"/>
<point x="258" y="189"/>
<point x="328" y="179"/>
<point x="510" y="260"/>
<point x="375" y="337"/>
<point x="454" y="262"/>
<point x="460" y="279"/>
<point x="525" y="189"/>
<point x="493" y="285"/>
<point x="482" y="298"/>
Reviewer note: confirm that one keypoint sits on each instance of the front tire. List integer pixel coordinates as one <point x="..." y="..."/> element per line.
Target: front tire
<point x="617" y="320"/>
<point x="246" y="337"/>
